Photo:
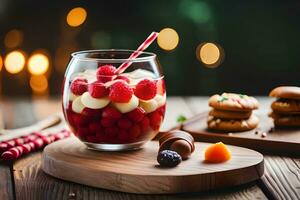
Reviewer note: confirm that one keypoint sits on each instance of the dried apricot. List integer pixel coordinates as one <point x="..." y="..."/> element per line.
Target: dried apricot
<point x="217" y="153"/>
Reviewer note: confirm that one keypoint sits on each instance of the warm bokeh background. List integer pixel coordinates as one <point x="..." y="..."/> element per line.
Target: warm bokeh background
<point x="243" y="46"/>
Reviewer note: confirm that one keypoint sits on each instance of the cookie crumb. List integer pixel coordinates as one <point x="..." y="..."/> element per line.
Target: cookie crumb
<point x="264" y="134"/>
<point x="271" y="130"/>
<point x="256" y="132"/>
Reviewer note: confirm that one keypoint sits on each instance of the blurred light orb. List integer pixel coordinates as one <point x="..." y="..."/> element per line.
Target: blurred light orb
<point x="168" y="39"/>
<point x="76" y="16"/>
<point x="38" y="84"/>
<point x="13" y="38"/>
<point x="14" y="62"/>
<point x="38" y="64"/>
<point x="210" y="54"/>
<point x="1" y="63"/>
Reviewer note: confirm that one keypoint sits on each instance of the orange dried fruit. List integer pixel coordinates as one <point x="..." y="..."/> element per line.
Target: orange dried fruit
<point x="217" y="153"/>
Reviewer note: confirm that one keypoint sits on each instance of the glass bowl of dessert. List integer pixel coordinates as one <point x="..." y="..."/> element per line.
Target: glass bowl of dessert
<point x="112" y="102"/>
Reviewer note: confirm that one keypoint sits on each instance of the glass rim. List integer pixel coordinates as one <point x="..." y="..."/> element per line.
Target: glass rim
<point x="149" y="56"/>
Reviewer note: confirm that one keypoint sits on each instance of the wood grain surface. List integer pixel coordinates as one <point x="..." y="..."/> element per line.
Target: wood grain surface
<point x="138" y="172"/>
<point x="279" y="141"/>
<point x="30" y="182"/>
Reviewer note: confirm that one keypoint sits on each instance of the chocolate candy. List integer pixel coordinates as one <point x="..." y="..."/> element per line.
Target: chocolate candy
<point x="178" y="141"/>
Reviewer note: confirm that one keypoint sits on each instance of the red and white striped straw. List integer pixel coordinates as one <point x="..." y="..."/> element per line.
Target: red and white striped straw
<point x="137" y="52"/>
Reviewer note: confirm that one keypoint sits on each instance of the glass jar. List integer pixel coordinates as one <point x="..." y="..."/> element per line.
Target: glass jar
<point x="113" y="111"/>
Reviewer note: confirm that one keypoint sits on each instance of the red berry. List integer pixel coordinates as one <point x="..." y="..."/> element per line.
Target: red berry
<point x="124" y="123"/>
<point x="135" y="131"/>
<point x="92" y="139"/>
<point x="95" y="127"/>
<point x="120" y="92"/>
<point x="107" y="122"/>
<point x="79" y="120"/>
<point x="100" y="137"/>
<point x="110" y="112"/>
<point x="145" y="89"/>
<point x="155" y="120"/>
<point x="137" y="114"/>
<point x="124" y="78"/>
<point x="144" y="124"/>
<point x="162" y="110"/>
<point x="105" y="73"/>
<point x="97" y="89"/>
<point x="91" y="112"/>
<point x="81" y="133"/>
<point x="79" y="86"/>
<point x="111" y="131"/>
<point x="123" y="136"/>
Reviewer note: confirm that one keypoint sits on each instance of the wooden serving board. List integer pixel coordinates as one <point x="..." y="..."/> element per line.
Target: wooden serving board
<point x="138" y="172"/>
<point x="279" y="141"/>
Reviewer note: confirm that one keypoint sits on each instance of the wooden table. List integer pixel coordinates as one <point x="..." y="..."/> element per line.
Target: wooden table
<point x="24" y="178"/>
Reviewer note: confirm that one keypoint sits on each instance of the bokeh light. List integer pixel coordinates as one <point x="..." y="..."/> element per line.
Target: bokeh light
<point x="38" y="64"/>
<point x="210" y="54"/>
<point x="13" y="38"/>
<point x="168" y="39"/>
<point x="38" y="84"/>
<point x="1" y="63"/>
<point x="14" y="62"/>
<point x="76" y="16"/>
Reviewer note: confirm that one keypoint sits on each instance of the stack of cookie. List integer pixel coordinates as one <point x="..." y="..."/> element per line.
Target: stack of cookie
<point x="232" y="112"/>
<point x="286" y="109"/>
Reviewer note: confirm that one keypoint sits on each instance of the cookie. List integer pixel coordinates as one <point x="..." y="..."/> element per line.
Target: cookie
<point x="285" y="120"/>
<point x="287" y="92"/>
<point x="226" y="114"/>
<point x="286" y="106"/>
<point x="233" y="102"/>
<point x="232" y="125"/>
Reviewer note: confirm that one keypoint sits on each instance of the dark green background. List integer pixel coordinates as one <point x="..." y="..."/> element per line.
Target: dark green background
<point x="260" y="39"/>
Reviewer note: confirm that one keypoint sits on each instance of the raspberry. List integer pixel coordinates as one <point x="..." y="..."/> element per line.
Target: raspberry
<point x="167" y="158"/>
<point x="144" y="124"/>
<point x="110" y="112"/>
<point x="82" y="132"/>
<point x="95" y="127"/>
<point x="107" y="122"/>
<point x="100" y="136"/>
<point x="145" y="89"/>
<point x="79" y="86"/>
<point x="92" y="139"/>
<point x="137" y="114"/>
<point x="91" y="112"/>
<point x="155" y="120"/>
<point x="105" y="73"/>
<point x="124" y="78"/>
<point x="79" y="120"/>
<point x="97" y="89"/>
<point x="112" y="131"/>
<point x="124" y="123"/>
<point x="123" y="136"/>
<point x="135" y="131"/>
<point x="120" y="92"/>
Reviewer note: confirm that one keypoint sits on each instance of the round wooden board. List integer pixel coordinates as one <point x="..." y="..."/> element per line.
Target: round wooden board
<point x="138" y="172"/>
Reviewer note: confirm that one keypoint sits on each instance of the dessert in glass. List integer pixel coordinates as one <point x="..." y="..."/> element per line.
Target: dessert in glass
<point x="109" y="108"/>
